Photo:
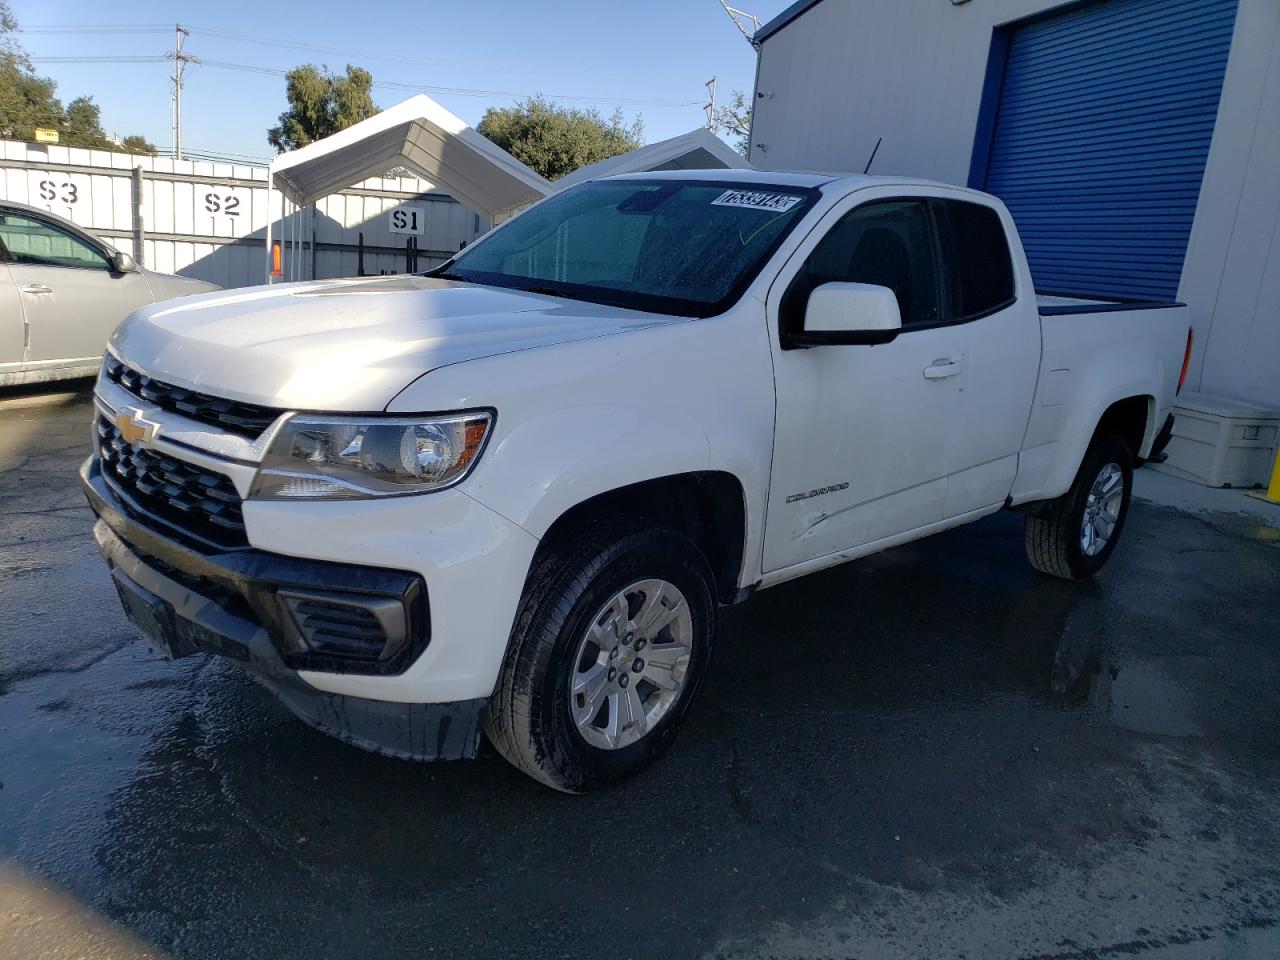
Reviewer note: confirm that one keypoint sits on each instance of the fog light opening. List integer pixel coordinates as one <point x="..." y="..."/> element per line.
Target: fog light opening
<point x="347" y="626"/>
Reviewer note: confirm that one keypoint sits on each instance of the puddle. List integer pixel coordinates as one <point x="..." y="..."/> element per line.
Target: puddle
<point x="1144" y="699"/>
<point x="1137" y="696"/>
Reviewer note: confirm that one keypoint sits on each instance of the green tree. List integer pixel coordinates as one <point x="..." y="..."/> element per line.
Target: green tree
<point x="28" y="101"/>
<point x="9" y="48"/>
<point x="136" y="143"/>
<point x="83" y="125"/>
<point x="321" y="103"/>
<point x="556" y="140"/>
<point x="735" y="117"/>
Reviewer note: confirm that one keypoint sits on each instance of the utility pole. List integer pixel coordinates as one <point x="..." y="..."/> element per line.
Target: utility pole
<point x="710" y="106"/>
<point x="180" y="61"/>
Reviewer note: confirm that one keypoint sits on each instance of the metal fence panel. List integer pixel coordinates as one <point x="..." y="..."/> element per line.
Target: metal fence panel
<point x="208" y="220"/>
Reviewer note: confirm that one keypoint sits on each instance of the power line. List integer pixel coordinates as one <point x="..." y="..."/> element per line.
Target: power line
<point x="122" y="59"/>
<point x="147" y="28"/>
<point x="246" y="67"/>
<point x="95" y="28"/>
<point x="348" y="55"/>
<point x="220" y="156"/>
<point x="315" y="48"/>
<point x="386" y="84"/>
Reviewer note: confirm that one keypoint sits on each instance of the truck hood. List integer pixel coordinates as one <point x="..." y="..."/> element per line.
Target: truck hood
<point x="348" y="345"/>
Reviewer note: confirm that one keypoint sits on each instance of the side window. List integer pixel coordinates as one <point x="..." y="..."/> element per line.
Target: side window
<point x="980" y="268"/>
<point x="889" y="243"/>
<point x="33" y="241"/>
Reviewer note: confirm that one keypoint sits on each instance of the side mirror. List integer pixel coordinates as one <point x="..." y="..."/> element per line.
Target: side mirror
<point x="851" y="313"/>
<point x="123" y="263"/>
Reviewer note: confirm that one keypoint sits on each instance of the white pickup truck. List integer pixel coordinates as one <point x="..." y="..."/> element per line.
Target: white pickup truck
<point x="510" y="495"/>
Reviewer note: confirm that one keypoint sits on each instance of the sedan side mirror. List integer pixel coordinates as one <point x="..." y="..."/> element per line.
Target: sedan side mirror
<point x="123" y="263"/>
<point x="851" y="313"/>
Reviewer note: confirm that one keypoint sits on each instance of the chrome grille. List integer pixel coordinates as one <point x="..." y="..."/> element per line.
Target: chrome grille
<point x="245" y="419"/>
<point x="199" y="502"/>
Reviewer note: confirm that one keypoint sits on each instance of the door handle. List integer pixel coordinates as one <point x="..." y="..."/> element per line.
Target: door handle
<point x="941" y="369"/>
<point x="37" y="288"/>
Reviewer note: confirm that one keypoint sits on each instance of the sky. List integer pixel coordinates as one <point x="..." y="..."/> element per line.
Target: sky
<point x="651" y="57"/>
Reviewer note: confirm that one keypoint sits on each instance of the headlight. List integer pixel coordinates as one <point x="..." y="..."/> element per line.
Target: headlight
<point x="327" y="457"/>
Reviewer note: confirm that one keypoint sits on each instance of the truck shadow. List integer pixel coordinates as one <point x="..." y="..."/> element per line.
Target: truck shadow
<point x="935" y="718"/>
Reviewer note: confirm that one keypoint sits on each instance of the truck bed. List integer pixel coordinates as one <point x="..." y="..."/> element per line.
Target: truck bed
<point x="1060" y="304"/>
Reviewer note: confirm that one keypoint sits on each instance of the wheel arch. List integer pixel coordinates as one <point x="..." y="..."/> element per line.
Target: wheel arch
<point x="1132" y="419"/>
<point x="707" y="506"/>
<point x="1131" y="416"/>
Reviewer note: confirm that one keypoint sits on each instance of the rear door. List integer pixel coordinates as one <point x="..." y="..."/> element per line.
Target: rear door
<point x="1001" y="325"/>
<point x="71" y="297"/>
<point x="862" y="432"/>
<point x="12" y="334"/>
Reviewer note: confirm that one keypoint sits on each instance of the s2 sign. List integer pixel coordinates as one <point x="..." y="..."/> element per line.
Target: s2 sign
<point x="408" y="219"/>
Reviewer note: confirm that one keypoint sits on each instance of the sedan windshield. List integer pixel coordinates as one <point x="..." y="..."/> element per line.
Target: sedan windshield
<point x="686" y="247"/>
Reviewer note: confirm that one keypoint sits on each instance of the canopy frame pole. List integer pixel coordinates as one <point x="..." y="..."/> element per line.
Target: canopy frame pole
<point x="270" y="212"/>
<point x="284" y="222"/>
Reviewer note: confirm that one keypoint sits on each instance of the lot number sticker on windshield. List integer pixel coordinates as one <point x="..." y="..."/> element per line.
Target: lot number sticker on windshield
<point x="756" y="200"/>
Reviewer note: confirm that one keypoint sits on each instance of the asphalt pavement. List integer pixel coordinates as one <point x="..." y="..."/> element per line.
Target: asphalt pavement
<point x="932" y="753"/>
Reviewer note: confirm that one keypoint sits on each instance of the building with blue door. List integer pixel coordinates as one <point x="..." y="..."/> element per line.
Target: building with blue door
<point x="1136" y="142"/>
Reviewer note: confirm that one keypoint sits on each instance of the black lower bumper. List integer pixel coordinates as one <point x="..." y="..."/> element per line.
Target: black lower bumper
<point x="224" y="604"/>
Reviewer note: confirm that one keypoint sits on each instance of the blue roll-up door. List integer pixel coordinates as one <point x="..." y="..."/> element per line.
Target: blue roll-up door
<point x="1103" y="124"/>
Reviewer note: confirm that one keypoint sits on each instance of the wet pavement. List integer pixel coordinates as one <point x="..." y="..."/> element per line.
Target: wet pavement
<point x="931" y="753"/>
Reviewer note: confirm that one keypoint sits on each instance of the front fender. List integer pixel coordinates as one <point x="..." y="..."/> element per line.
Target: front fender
<point x="580" y="419"/>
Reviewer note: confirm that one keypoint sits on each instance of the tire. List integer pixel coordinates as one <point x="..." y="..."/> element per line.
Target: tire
<point x="1056" y="536"/>
<point x="570" y="602"/>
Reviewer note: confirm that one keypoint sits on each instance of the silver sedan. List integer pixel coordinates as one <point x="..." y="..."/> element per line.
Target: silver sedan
<point x="62" y="292"/>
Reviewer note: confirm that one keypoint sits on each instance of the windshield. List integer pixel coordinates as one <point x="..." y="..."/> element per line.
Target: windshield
<point x="686" y="247"/>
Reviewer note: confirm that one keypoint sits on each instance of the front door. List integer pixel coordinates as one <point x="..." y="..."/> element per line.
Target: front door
<point x="1003" y="326"/>
<point x="862" y="432"/>
<point x="71" y="297"/>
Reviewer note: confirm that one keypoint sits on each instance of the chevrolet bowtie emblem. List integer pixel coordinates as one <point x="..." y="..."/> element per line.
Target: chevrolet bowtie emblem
<point x="133" y="428"/>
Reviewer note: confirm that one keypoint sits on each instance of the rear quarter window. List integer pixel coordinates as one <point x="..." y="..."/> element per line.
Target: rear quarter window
<point x="977" y="251"/>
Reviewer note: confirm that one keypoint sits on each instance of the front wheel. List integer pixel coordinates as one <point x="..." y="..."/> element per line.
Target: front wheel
<point x="609" y="648"/>
<point x="1073" y="536"/>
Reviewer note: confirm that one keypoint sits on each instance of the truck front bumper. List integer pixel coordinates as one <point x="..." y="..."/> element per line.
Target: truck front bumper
<point x="188" y="601"/>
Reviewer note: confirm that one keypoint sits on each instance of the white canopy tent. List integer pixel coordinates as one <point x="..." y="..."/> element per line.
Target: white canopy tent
<point x="424" y="137"/>
<point x="418" y="134"/>
<point x="696" y="150"/>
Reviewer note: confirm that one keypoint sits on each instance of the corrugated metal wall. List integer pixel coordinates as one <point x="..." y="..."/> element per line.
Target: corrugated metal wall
<point x="1104" y="122"/>
<point x="208" y="220"/>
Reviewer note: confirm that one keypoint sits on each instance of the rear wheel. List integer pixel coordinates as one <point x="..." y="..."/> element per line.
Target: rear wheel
<point x="609" y="649"/>
<point x="1073" y="536"/>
